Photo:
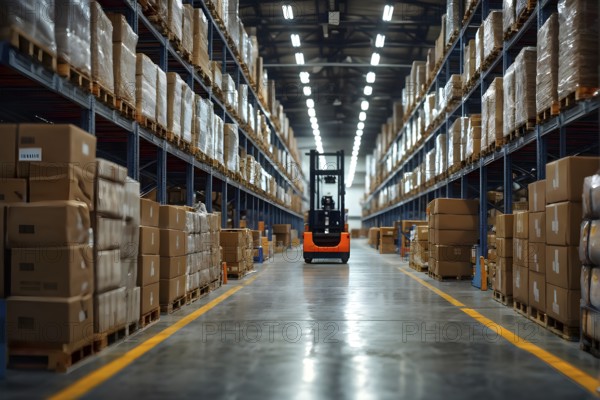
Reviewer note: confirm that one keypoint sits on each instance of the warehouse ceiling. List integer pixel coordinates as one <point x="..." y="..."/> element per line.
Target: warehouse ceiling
<point x="338" y="57"/>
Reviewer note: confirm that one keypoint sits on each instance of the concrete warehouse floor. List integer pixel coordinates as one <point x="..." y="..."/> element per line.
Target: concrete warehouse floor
<point x="363" y="330"/>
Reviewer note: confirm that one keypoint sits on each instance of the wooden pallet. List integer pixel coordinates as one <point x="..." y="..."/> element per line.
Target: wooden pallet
<point x="104" y="95"/>
<point x="74" y="76"/>
<point x="453" y="37"/>
<point x="486" y="64"/>
<point x="133" y="328"/>
<point x="214" y="285"/>
<point x="126" y="109"/>
<point x="148" y="8"/>
<point x="419" y="267"/>
<point x="502" y="298"/>
<point x="149" y="318"/>
<point x="26" y="44"/>
<point x="197" y="294"/>
<point x="473" y="158"/>
<point x="538" y="316"/>
<point x="441" y="278"/>
<point x="469" y="12"/>
<point x="173" y="306"/>
<point x="47" y="356"/>
<point x="570" y="333"/>
<point x="525" y="128"/>
<point x="236" y="275"/>
<point x="580" y="94"/>
<point x="520" y="308"/>
<point x="589" y="345"/>
<point x="548" y="113"/>
<point x="105" y="339"/>
<point x="525" y="13"/>
<point x="146" y="122"/>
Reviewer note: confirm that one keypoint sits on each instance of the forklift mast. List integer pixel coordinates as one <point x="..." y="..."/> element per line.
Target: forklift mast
<point x="323" y="215"/>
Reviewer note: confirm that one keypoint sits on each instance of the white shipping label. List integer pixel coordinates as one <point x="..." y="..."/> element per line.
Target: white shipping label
<point x="177" y="242"/>
<point x="152" y="241"/>
<point x="30" y="154"/>
<point x="85" y="149"/>
<point x="538" y="229"/>
<point x="84" y="286"/>
<point x="152" y="268"/>
<point x="151" y="212"/>
<point x="518" y="279"/>
<point x="555" y="306"/>
<point x="555" y="263"/>
<point x="536" y="292"/>
<point x="82" y="316"/>
<point x="555" y="179"/>
<point x="555" y="221"/>
<point x="177" y="288"/>
<point x="535" y="197"/>
<point x="151" y="298"/>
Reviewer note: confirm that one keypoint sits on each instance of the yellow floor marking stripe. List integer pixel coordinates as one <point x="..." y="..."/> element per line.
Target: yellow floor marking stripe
<point x="101" y="375"/>
<point x="580" y="377"/>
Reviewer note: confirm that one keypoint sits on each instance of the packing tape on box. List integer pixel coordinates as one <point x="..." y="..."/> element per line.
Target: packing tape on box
<point x="555" y="306"/>
<point x="555" y="179"/>
<point x="538" y="229"/>
<point x="535" y="258"/>
<point x="518" y="279"/>
<point x="555" y="221"/>
<point x="536" y="292"/>
<point x="555" y="263"/>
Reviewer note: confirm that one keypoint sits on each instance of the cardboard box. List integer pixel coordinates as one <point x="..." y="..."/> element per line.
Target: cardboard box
<point x="537" y="290"/>
<point x="3" y="254"/>
<point x="261" y="226"/>
<point x="172" y="217"/>
<point x="503" y="281"/>
<point x="422" y="233"/>
<point x="28" y="319"/>
<point x="150" y="298"/>
<point x="451" y="268"/>
<point x="108" y="233"/>
<point x="387" y="249"/>
<point x="563" y="223"/>
<point x="386" y="231"/>
<point x="449" y="221"/>
<point x="504" y="247"/>
<point x="172" y="289"/>
<point x="282" y="228"/>
<point x="454" y="206"/>
<point x="237" y="267"/>
<point x="537" y="196"/>
<point x="521" y="284"/>
<point x="564" y="178"/>
<point x="47" y="224"/>
<point x="60" y="181"/>
<point x="233" y="238"/>
<point x="232" y="254"/>
<point x="563" y="304"/>
<point x="148" y="270"/>
<point x="110" y="171"/>
<point x="52" y="272"/>
<point x="563" y="268"/>
<point x="13" y="190"/>
<point x="537" y="257"/>
<point x="108" y="272"/>
<point x="172" y="243"/>
<point x="521" y="225"/>
<point x="172" y="267"/>
<point x="451" y="253"/>
<point x="149" y="241"/>
<point x="537" y="227"/>
<point x="453" y="237"/>
<point x="8" y="150"/>
<point x="54" y="143"/>
<point x="504" y="225"/>
<point x="521" y="252"/>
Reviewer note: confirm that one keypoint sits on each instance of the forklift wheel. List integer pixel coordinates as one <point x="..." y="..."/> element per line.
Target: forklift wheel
<point x="308" y="260"/>
<point x="345" y="260"/>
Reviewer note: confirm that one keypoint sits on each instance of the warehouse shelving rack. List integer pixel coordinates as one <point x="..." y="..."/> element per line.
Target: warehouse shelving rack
<point x="31" y="93"/>
<point x="573" y="132"/>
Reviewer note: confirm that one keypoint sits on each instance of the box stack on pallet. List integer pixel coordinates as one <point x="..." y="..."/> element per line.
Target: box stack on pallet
<point x="283" y="234"/>
<point x="374" y="237"/>
<point x="590" y="272"/>
<point x="193" y="250"/>
<point x="149" y="262"/>
<point x="453" y="230"/>
<point x="520" y="262"/>
<point x="173" y="259"/>
<point x="387" y="240"/>
<point x="215" y="268"/>
<point x="419" y="249"/>
<point x="237" y="252"/>
<point x="48" y="228"/>
<point x="547" y="70"/>
<point x="503" y="278"/>
<point x="537" y="250"/>
<point x="257" y="247"/>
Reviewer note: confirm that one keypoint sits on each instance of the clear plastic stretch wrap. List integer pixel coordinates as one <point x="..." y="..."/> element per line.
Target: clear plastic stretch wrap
<point x="420" y="78"/>
<point x="452" y="19"/>
<point x="218" y="139"/>
<point x="187" y="112"/>
<point x="479" y="48"/>
<point x="205" y="133"/>
<point x="174" y="89"/>
<point x="525" y="75"/>
<point x="243" y="102"/>
<point x="509" y="100"/>
<point x="36" y="19"/>
<point x="521" y="6"/>
<point x="73" y="33"/>
<point x="229" y="91"/>
<point x="547" y="65"/>
<point x="145" y="86"/>
<point x="175" y="18"/>
<point x="124" y="57"/>
<point x="102" y="48"/>
<point x="578" y="46"/>
<point x="469" y="68"/>
<point x="231" y="145"/>
<point x="161" y="97"/>
<point x="495" y="103"/>
<point x="197" y="121"/>
<point x="508" y="15"/>
<point x="217" y="76"/>
<point x="200" y="41"/>
<point x="441" y="154"/>
<point x="453" y="89"/>
<point x="492" y="33"/>
<point x="187" y="29"/>
<point x="251" y="117"/>
<point x="410" y="90"/>
<point x="454" y="152"/>
<point x="430" y="165"/>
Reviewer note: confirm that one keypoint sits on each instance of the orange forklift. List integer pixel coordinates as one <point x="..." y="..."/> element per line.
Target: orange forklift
<point x="326" y="233"/>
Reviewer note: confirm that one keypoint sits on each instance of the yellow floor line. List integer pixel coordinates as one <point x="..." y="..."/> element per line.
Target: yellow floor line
<point x="101" y="375"/>
<point x="580" y="377"/>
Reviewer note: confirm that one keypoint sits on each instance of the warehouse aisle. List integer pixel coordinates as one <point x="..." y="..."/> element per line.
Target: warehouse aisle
<point x="363" y="330"/>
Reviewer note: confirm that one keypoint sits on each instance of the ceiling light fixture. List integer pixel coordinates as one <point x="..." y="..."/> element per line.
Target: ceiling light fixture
<point x="362" y="116"/>
<point x="374" y="58"/>
<point x="313" y="120"/>
<point x="311" y="112"/>
<point x="296" y="40"/>
<point x="315" y="126"/>
<point x="310" y="103"/>
<point x="360" y="126"/>
<point x="379" y="41"/>
<point x="368" y="90"/>
<point x="299" y="58"/>
<point x="307" y="91"/>
<point x="304" y="77"/>
<point x="316" y="132"/>
<point x="288" y="13"/>
<point x="371" y="77"/>
<point x="359" y="133"/>
<point x="364" y="105"/>
<point x="388" y="11"/>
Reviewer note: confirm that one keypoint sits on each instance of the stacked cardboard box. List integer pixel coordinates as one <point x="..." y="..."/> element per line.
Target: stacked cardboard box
<point x="503" y="278"/>
<point x="173" y="258"/>
<point x="215" y="269"/>
<point x="492" y="114"/>
<point x="149" y="257"/>
<point x="547" y="66"/>
<point x="521" y="258"/>
<point x="564" y="186"/>
<point x="387" y="238"/>
<point x="537" y="246"/>
<point x="124" y="42"/>
<point x="453" y="229"/>
<point x="590" y="258"/>
<point x="51" y="261"/>
<point x="101" y="48"/>
<point x="193" y="250"/>
<point x="525" y="86"/>
<point x="237" y="250"/>
<point x="284" y="234"/>
<point x="419" y="248"/>
<point x="373" y="237"/>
